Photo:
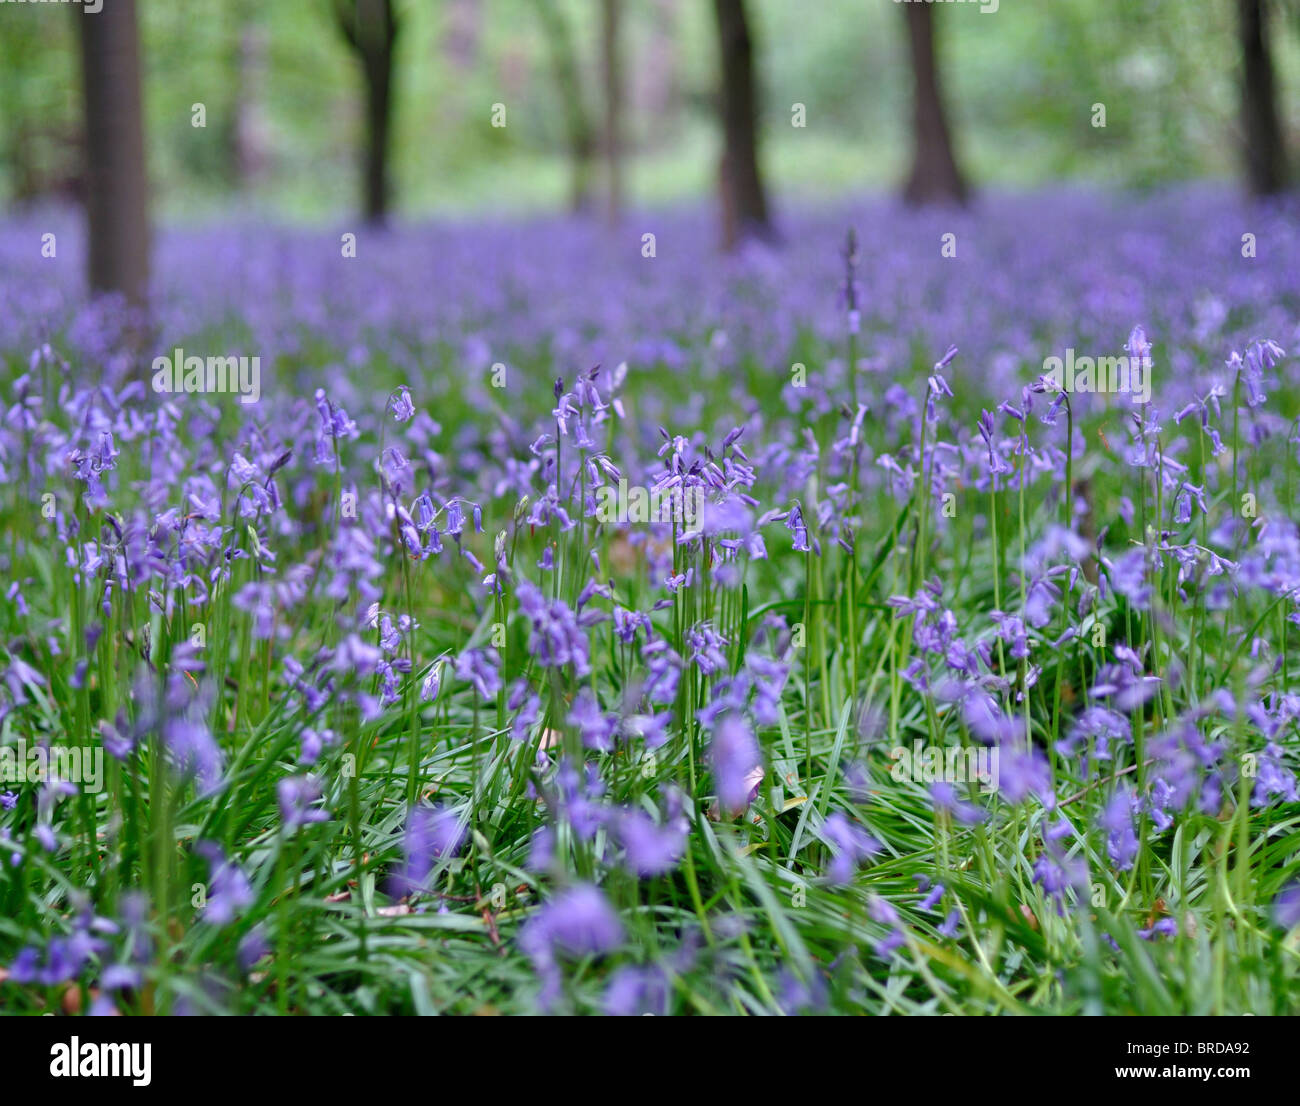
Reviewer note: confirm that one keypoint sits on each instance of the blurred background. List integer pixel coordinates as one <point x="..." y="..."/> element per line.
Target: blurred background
<point x="312" y="110"/>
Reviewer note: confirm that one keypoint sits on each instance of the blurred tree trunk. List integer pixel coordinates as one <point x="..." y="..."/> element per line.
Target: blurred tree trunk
<point x="744" y="204"/>
<point x="659" y="98"/>
<point x="568" y="82"/>
<point x="935" y="177"/>
<point x="370" y="28"/>
<point x="1265" y="154"/>
<point x="612" y="74"/>
<point x="116" y="184"/>
<point x="248" y="136"/>
<point x="245" y="128"/>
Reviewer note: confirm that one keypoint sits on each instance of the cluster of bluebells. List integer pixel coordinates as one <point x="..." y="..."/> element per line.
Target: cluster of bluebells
<point x="380" y="593"/>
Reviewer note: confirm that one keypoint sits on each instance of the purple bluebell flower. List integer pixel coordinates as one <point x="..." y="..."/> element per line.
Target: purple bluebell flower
<point x="431" y="834"/>
<point x="228" y="892"/>
<point x="737" y="762"/>
<point x="850" y="846"/>
<point x="297" y="797"/>
<point x="1286" y="907"/>
<point x="481" y="668"/>
<point x="577" y="922"/>
<point x="882" y="912"/>
<point x="400" y="405"/>
<point x="651" y="849"/>
<point x="635" y="992"/>
<point x="1121" y="837"/>
<point x="596" y="727"/>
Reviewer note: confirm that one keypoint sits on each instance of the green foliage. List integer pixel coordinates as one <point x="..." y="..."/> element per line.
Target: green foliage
<point x="1020" y="83"/>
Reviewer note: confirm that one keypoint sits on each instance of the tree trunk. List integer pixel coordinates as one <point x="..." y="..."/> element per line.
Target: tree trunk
<point x="568" y="82"/>
<point x="744" y="204"/>
<point x="371" y="30"/>
<point x="378" y="105"/>
<point x="1265" y="155"/>
<point x="247" y="129"/>
<point x="116" y="184"/>
<point x="660" y="91"/>
<point x="935" y="177"/>
<point x="612" y="72"/>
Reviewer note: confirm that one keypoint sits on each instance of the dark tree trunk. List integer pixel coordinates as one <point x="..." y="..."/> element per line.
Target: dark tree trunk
<point x="116" y="183"/>
<point x="1265" y="155"/>
<point x="935" y="177"/>
<point x="612" y="73"/>
<point x="744" y="204"/>
<point x="568" y="81"/>
<point x="370" y="27"/>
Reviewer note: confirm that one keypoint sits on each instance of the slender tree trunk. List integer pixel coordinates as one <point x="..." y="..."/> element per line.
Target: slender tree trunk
<point x="246" y="129"/>
<point x="612" y="72"/>
<point x="378" y="111"/>
<point x="116" y="183"/>
<point x="370" y="27"/>
<point x="660" y="87"/>
<point x="1265" y="152"/>
<point x="568" y="82"/>
<point x="744" y="203"/>
<point x="935" y="177"/>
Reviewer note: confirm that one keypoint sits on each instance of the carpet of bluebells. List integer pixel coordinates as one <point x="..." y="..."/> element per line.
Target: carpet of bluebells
<point x="393" y="720"/>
